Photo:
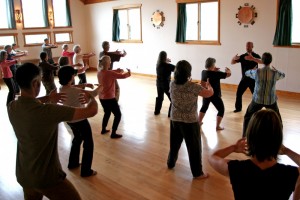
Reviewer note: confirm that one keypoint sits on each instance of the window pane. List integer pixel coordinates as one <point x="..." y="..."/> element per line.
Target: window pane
<point x="134" y="24"/>
<point x="60" y="13"/>
<point x="209" y="21"/>
<point x="35" y="39"/>
<point x="296" y="22"/>
<point x="123" y="24"/>
<point x="33" y="18"/>
<point x="62" y="37"/>
<point x="7" y="40"/>
<point x="192" y="21"/>
<point x="3" y="14"/>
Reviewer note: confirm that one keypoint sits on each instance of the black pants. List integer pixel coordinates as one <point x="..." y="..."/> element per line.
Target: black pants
<point x="11" y="89"/>
<point x="13" y="69"/>
<point x="190" y="132"/>
<point x="82" y="133"/>
<point x="245" y="83"/>
<point x="82" y="78"/>
<point x="161" y="90"/>
<point x="254" y="107"/>
<point x="216" y="101"/>
<point x="111" y="106"/>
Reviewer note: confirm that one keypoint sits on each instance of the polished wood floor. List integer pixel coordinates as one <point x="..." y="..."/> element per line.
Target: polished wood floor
<point x="134" y="167"/>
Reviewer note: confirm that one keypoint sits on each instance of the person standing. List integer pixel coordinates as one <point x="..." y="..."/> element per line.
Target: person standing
<point x="81" y="128"/>
<point x="260" y="176"/>
<point x="35" y="123"/>
<point x="115" y="56"/>
<point x="66" y="53"/>
<point x="78" y="59"/>
<point x="184" y="122"/>
<point x="245" y="82"/>
<point x="265" y="87"/>
<point x="47" y="73"/>
<point x="163" y="78"/>
<point x="107" y="95"/>
<point x="8" y="75"/>
<point x="47" y="47"/>
<point x="214" y="75"/>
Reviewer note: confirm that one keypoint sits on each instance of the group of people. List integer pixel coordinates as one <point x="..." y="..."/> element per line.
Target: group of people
<point x="262" y="129"/>
<point x="262" y="132"/>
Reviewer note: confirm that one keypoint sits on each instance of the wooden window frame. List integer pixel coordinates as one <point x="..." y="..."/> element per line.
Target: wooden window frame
<point x="64" y="42"/>
<point x="128" y="7"/>
<point x="48" y="33"/>
<point x="15" y="35"/>
<point x="203" y="42"/>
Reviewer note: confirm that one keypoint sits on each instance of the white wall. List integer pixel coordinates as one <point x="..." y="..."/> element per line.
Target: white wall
<point x="142" y="57"/>
<point x="79" y="31"/>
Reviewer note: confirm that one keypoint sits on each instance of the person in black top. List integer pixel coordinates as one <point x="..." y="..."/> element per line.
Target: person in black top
<point x="245" y="82"/>
<point x="163" y="72"/>
<point x="214" y="75"/>
<point x="260" y="176"/>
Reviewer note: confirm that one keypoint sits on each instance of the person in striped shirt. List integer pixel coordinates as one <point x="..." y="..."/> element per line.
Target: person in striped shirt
<point x="264" y="94"/>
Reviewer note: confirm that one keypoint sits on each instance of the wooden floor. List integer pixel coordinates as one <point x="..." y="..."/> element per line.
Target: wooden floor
<point x="134" y="167"/>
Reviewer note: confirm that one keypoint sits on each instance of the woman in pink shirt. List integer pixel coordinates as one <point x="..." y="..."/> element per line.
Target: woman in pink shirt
<point x="107" y="79"/>
<point x="7" y="75"/>
<point x="67" y="53"/>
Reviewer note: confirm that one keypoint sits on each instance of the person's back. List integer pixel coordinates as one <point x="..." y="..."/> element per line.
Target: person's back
<point x="214" y="80"/>
<point x="163" y="72"/>
<point x="250" y="182"/>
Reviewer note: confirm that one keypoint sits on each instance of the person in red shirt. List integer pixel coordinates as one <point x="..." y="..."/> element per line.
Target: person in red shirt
<point x="67" y="53"/>
<point x="7" y="75"/>
<point x="107" y="79"/>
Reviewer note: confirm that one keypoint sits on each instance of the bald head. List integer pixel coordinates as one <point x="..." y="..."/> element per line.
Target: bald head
<point x="249" y="47"/>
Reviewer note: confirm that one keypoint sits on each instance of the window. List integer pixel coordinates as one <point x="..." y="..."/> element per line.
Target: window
<point x="8" y="39"/>
<point x="61" y="10"/>
<point x="296" y="22"/>
<point x="7" y="19"/>
<point x="202" y="22"/>
<point x="63" y="37"/>
<point x="37" y="17"/>
<point x="130" y="23"/>
<point x="35" y="39"/>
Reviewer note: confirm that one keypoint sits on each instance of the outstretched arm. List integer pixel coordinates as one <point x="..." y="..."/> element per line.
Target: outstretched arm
<point x="235" y="59"/>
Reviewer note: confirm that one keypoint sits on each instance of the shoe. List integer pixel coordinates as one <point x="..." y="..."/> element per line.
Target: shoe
<point x="104" y="131"/>
<point x="156" y="113"/>
<point x="91" y="173"/>
<point x="115" y="136"/>
<point x="236" y="110"/>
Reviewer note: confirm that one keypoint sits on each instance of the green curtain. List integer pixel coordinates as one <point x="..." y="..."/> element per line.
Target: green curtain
<point x="68" y="12"/>
<point x="10" y="14"/>
<point x="116" y="26"/>
<point x="283" y="34"/>
<point x="181" y="23"/>
<point x="45" y="12"/>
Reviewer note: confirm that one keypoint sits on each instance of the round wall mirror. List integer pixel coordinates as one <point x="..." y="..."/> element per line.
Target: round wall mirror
<point x="158" y="19"/>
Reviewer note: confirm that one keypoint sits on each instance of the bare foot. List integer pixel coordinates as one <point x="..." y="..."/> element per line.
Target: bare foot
<point x="219" y="128"/>
<point x="203" y="176"/>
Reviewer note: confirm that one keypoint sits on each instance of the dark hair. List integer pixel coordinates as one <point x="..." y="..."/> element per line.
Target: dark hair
<point x="209" y="62"/>
<point x="7" y="47"/>
<point x="46" y="39"/>
<point x="43" y="55"/>
<point x="26" y="73"/>
<point x="182" y="72"/>
<point x="264" y="135"/>
<point x="63" y="60"/>
<point x="14" y="44"/>
<point x="105" y="43"/>
<point x="65" y="74"/>
<point x="266" y="58"/>
<point x="162" y="57"/>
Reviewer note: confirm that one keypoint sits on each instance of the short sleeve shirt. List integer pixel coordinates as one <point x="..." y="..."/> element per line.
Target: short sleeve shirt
<point x="184" y="101"/>
<point x="214" y="80"/>
<point x="36" y="128"/>
<point x="247" y="64"/>
<point x="250" y="182"/>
